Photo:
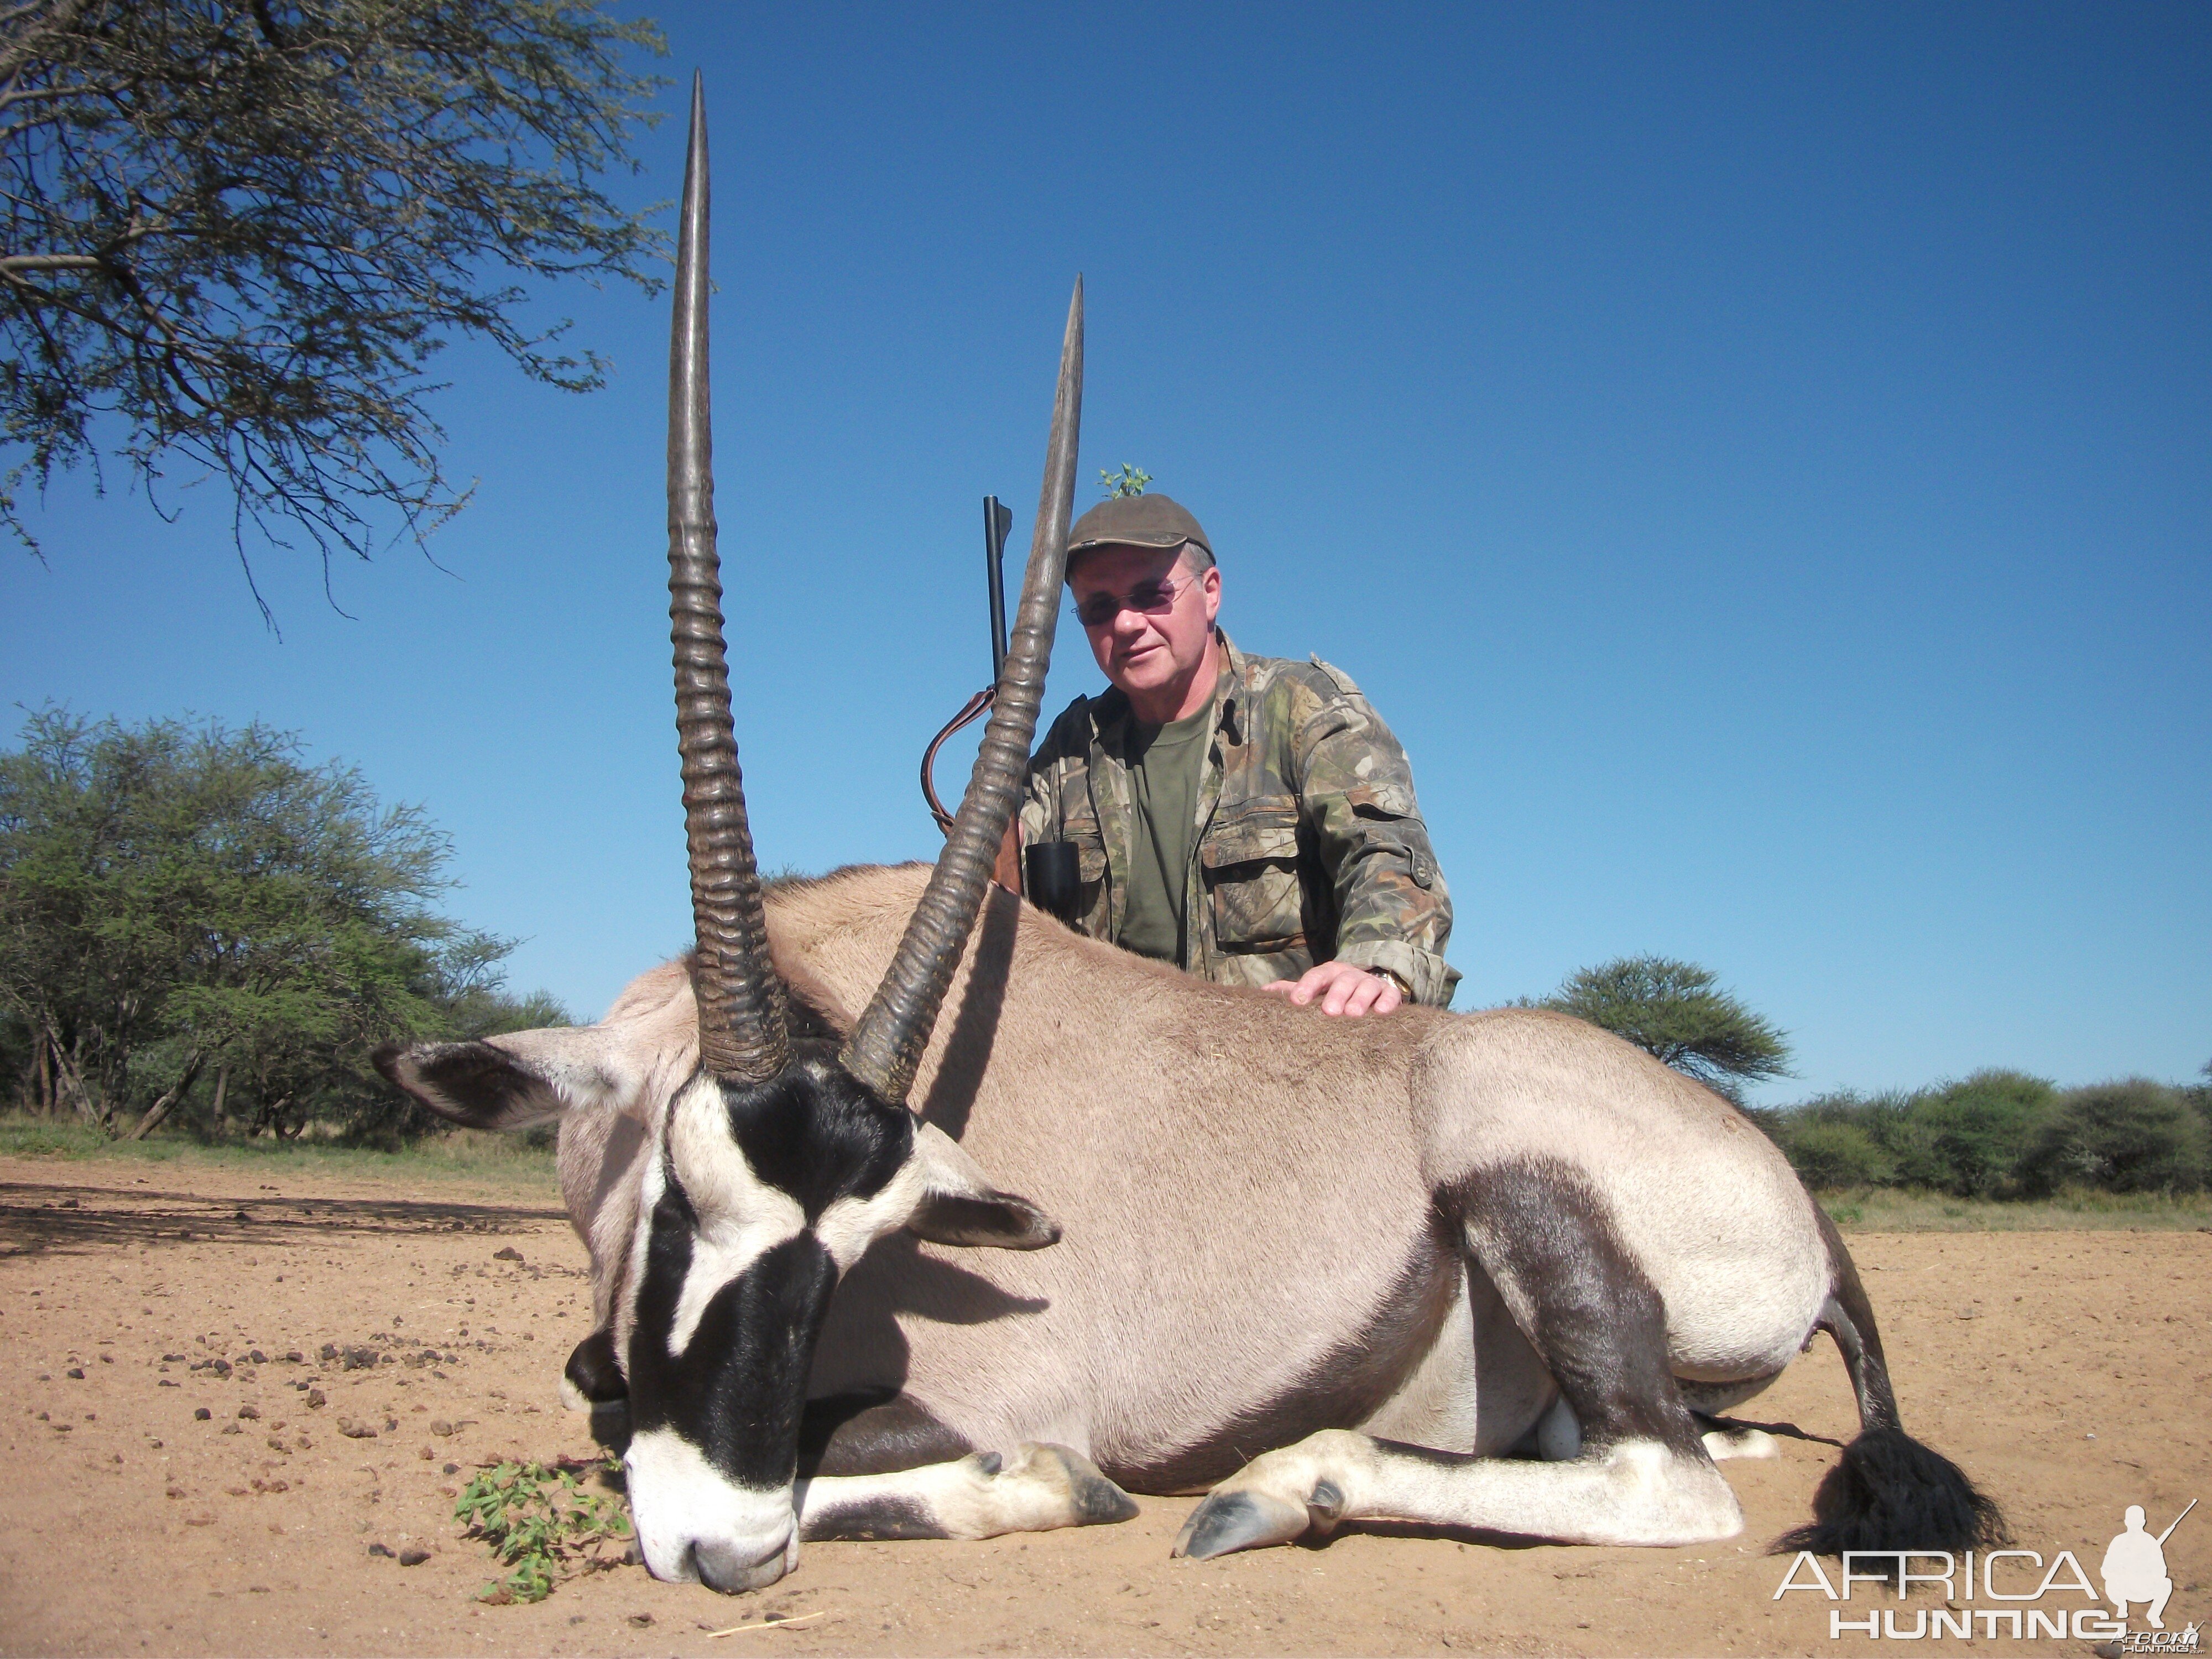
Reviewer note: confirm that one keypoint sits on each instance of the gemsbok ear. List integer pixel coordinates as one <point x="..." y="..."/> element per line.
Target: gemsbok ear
<point x="517" y="1080"/>
<point x="960" y="1206"/>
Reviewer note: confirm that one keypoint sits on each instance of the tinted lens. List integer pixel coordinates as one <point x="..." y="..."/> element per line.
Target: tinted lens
<point x="1152" y="598"/>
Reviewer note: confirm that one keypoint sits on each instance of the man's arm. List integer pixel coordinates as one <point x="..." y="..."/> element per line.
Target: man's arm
<point x="1393" y="911"/>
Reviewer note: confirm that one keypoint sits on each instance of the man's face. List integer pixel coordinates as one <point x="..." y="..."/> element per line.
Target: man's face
<point x="1144" y="649"/>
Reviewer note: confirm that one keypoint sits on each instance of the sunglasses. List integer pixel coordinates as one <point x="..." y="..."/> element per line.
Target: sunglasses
<point x="1154" y="598"/>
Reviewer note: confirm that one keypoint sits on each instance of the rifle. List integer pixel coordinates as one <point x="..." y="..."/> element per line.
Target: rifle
<point x="1051" y="866"/>
<point x="998" y="519"/>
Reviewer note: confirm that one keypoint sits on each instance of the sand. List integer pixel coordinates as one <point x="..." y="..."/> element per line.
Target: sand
<point x="2068" y="1372"/>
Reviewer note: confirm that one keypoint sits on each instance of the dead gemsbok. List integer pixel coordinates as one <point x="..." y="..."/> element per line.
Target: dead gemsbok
<point x="1335" y="1270"/>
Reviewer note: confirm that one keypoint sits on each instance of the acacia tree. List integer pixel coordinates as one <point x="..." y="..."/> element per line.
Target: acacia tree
<point x="234" y="232"/>
<point x="1675" y="1011"/>
<point x="183" y="902"/>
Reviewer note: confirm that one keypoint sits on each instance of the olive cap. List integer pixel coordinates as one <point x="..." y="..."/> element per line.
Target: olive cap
<point x="1135" y="521"/>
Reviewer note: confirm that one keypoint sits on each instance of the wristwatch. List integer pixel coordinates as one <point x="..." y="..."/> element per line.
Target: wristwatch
<point x="1396" y="979"/>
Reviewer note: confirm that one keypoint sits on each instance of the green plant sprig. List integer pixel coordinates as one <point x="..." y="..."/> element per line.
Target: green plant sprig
<point x="541" y="1523"/>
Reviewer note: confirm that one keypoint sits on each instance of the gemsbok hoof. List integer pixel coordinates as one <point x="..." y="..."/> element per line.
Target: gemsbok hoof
<point x="1230" y="1521"/>
<point x="1094" y="1500"/>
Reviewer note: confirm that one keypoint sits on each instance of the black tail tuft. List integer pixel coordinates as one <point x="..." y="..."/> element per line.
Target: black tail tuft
<point x="1890" y="1493"/>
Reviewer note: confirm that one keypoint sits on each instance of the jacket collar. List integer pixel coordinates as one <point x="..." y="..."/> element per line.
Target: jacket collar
<point x="1113" y="721"/>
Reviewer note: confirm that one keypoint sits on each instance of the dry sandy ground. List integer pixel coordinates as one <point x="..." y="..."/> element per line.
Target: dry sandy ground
<point x="2069" y="1371"/>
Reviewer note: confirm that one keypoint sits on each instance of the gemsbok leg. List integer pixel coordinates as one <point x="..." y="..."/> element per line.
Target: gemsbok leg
<point x="1641" y="1474"/>
<point x="1044" y="1488"/>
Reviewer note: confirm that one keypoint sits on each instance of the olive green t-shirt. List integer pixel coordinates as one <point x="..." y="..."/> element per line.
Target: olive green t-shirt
<point x="1167" y="761"/>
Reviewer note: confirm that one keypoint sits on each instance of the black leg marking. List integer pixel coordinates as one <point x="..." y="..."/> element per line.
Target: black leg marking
<point x="873" y="1520"/>
<point x="874" y="1434"/>
<point x="1545" y="1236"/>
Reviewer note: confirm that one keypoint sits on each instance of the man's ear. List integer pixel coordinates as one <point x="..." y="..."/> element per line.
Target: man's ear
<point x="959" y="1205"/>
<point x="514" y="1081"/>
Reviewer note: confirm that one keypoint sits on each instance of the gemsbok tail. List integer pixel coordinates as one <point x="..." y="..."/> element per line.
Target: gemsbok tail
<point x="1889" y="1492"/>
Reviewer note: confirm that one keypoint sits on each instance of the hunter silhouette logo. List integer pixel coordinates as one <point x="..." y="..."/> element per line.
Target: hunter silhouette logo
<point x="2134" y="1566"/>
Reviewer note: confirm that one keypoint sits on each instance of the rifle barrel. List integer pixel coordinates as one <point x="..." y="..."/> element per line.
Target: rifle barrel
<point x="998" y="519"/>
<point x="2177" y="1520"/>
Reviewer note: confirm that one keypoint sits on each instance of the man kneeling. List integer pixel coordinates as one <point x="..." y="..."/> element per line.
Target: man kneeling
<point x="1247" y="818"/>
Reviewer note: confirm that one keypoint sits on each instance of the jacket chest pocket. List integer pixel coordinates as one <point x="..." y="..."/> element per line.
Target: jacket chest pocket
<point x="1250" y="857"/>
<point x="1090" y="843"/>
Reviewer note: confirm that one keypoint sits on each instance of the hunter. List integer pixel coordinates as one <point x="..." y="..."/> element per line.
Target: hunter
<point x="1248" y="819"/>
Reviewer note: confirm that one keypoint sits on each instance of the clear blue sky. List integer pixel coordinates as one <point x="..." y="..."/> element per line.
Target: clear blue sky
<point x="1759" y="459"/>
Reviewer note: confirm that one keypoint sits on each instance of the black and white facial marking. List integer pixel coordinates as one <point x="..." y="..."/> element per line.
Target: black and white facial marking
<point x="758" y="1198"/>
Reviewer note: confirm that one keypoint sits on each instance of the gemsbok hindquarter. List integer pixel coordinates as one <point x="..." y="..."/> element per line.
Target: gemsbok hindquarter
<point x="1333" y="1270"/>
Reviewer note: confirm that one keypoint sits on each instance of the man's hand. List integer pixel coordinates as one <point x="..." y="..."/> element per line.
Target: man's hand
<point x="1344" y="988"/>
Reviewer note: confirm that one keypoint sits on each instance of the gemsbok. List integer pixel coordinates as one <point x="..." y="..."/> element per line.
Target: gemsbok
<point x="1484" y="1271"/>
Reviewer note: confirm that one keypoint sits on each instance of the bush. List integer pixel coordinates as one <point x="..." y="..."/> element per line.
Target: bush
<point x="1828" y="1155"/>
<point x="2199" y="1094"/>
<point x="2131" y="1136"/>
<point x="191" y="916"/>
<point x="1967" y="1138"/>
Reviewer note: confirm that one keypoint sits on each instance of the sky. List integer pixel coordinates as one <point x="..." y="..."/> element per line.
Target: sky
<point x="1758" y="459"/>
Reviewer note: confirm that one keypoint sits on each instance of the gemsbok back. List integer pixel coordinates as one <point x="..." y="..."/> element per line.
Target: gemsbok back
<point x="1485" y="1271"/>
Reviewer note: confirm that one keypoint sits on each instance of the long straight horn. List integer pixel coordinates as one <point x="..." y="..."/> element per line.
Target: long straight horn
<point x="886" y="1046"/>
<point x="742" y="1034"/>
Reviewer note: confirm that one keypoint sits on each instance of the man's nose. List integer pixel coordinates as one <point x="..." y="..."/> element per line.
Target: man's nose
<point x="1129" y="623"/>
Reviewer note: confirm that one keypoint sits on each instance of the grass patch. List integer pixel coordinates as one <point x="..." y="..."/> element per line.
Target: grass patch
<point x="1916" y="1210"/>
<point x="543" y="1526"/>
<point x="466" y="1154"/>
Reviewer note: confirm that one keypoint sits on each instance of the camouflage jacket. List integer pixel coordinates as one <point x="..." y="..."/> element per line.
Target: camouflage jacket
<point x="1310" y="845"/>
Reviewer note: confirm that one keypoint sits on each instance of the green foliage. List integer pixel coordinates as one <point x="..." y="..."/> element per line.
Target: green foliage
<point x="1967" y="1138"/>
<point x="2130" y="1136"/>
<point x="2000" y="1134"/>
<point x="2199" y="1094"/>
<point x="1129" y="480"/>
<point x="189" y="908"/>
<point x="241" y="228"/>
<point x="542" y="1525"/>
<point x="1830" y="1155"/>
<point x="1673" y="1011"/>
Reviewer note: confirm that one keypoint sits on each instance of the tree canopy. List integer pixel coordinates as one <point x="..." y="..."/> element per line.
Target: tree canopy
<point x="1675" y="1011"/>
<point x="233" y="233"/>
<point x="181" y="904"/>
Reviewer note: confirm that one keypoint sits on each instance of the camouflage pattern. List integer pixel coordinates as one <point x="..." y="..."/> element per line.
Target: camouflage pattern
<point x="1310" y="845"/>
